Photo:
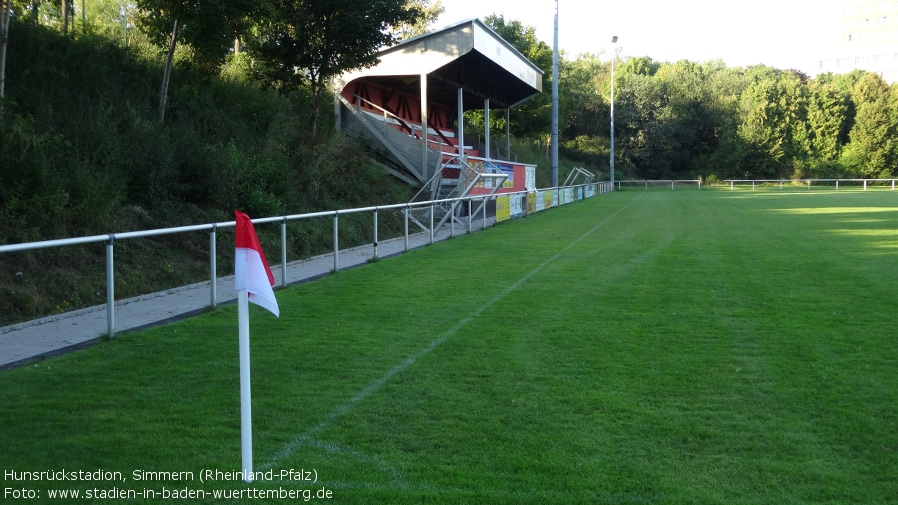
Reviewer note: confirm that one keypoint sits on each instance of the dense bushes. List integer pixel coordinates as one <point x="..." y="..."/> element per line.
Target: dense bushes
<point x="81" y="153"/>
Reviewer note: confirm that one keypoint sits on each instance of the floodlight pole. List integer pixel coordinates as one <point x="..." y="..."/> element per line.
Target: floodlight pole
<point x="554" y="140"/>
<point x="613" y="57"/>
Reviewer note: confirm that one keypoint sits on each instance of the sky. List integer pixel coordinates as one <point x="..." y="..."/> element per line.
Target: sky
<point x="783" y="34"/>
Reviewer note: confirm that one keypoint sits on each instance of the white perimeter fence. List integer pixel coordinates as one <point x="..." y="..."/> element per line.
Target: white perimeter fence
<point x="655" y="183"/>
<point x="508" y="205"/>
<point x="754" y="183"/>
<point x="887" y="183"/>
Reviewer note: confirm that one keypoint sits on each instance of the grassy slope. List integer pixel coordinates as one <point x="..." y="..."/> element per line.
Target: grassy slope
<point x="81" y="153"/>
<point x="668" y="347"/>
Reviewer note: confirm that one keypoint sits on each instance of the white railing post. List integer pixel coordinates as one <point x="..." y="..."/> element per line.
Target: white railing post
<point x="484" y="212"/>
<point x="452" y="220"/>
<point x="336" y="241"/>
<point x="470" y="216"/>
<point x="431" y="220"/>
<point x="213" y="268"/>
<point x="865" y="184"/>
<point x="375" y="232"/>
<point x="284" y="252"/>
<point x="837" y="184"/>
<point x="110" y="288"/>
<point x="405" y="219"/>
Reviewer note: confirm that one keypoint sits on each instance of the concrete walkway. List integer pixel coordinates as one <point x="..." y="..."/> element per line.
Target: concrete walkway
<point x="25" y="342"/>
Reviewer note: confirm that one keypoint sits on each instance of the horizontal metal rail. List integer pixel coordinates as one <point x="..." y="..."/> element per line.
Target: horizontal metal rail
<point x="807" y="182"/>
<point x="671" y="182"/>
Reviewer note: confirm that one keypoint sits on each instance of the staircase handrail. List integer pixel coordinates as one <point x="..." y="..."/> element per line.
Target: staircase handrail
<point x="499" y="180"/>
<point x="468" y="178"/>
<point x="434" y="182"/>
<point x="405" y="125"/>
<point x="386" y="113"/>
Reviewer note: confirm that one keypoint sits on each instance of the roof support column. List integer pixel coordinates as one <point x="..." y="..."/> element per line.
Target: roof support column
<point x="424" y="127"/>
<point x="460" y="135"/>
<point x="508" y="133"/>
<point x="486" y="127"/>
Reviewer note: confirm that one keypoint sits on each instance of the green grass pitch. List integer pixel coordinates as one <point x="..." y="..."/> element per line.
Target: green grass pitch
<point x="639" y="347"/>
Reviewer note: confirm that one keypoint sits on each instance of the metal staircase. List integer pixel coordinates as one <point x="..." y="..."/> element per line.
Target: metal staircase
<point x="446" y="175"/>
<point x="396" y="142"/>
<point x="455" y="179"/>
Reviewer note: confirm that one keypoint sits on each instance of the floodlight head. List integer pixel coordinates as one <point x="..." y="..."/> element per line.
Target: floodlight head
<point x="614" y="39"/>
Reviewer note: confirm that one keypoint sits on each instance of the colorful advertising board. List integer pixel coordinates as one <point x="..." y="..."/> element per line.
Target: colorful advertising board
<point x="568" y="195"/>
<point x="503" y="208"/>
<point x="530" y="183"/>
<point x="517" y="205"/>
<point x="519" y="175"/>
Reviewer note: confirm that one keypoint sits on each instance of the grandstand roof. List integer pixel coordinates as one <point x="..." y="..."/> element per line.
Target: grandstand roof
<point x="467" y="55"/>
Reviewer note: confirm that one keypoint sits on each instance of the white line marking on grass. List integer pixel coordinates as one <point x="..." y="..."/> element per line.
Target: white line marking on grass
<point x="308" y="437"/>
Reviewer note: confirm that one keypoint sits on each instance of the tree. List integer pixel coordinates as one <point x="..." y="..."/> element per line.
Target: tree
<point x="647" y="126"/>
<point x="431" y="10"/>
<point x="209" y="26"/>
<point x="873" y="149"/>
<point x="774" y="123"/>
<point x="533" y="117"/>
<point x="310" y="41"/>
<point x="584" y="100"/>
<point x="64" y="11"/>
<point x="639" y="65"/>
<point x="5" y="9"/>
<point x="827" y="121"/>
<point x="695" y="114"/>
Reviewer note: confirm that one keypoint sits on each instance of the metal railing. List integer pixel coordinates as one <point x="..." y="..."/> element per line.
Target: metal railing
<point x="807" y="182"/>
<point x="415" y="130"/>
<point x="659" y="182"/>
<point x="110" y="239"/>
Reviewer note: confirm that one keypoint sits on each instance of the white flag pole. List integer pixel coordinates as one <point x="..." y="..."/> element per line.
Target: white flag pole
<point x="246" y="423"/>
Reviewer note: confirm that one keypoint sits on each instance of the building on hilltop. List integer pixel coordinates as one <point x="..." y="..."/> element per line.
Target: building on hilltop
<point x="869" y="39"/>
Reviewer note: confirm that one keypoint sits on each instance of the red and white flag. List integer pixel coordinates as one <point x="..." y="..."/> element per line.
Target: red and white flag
<point x="251" y="272"/>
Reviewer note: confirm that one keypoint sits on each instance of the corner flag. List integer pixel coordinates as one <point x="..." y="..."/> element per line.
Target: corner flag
<point x="253" y="281"/>
<point x="251" y="272"/>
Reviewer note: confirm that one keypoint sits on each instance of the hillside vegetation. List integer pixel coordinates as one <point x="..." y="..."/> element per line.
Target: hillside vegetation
<point x="81" y="153"/>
